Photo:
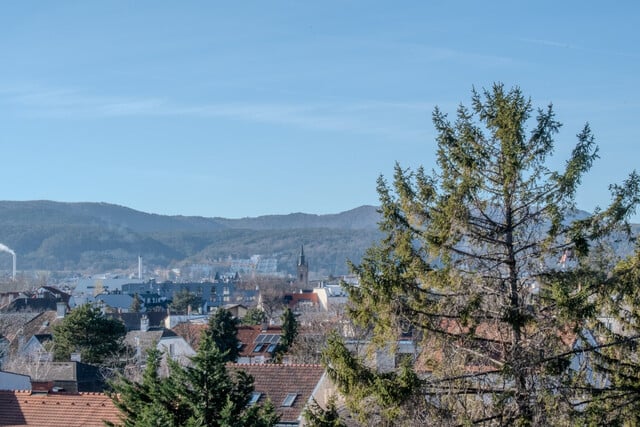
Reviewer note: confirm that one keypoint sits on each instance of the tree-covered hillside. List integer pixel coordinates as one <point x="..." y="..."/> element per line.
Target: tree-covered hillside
<point x="98" y="236"/>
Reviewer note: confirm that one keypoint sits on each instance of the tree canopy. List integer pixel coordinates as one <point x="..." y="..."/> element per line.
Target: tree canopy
<point x="468" y="268"/>
<point x="254" y="316"/>
<point x="289" y="328"/>
<point x="87" y="331"/>
<point x="203" y="394"/>
<point x="183" y="300"/>
<point x="288" y="335"/>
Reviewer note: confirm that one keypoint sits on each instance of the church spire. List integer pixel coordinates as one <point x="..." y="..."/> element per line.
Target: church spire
<point x="303" y="269"/>
<point x="301" y="260"/>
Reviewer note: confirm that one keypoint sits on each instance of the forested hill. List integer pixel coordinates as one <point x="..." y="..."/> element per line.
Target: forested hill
<point x="100" y="237"/>
<point x="96" y="237"/>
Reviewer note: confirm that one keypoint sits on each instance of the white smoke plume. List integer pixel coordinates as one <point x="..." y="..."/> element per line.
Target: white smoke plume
<point x="5" y="248"/>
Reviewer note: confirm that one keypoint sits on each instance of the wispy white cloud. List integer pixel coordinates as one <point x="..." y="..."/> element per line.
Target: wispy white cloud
<point x="548" y="43"/>
<point x="356" y="117"/>
<point x="563" y="45"/>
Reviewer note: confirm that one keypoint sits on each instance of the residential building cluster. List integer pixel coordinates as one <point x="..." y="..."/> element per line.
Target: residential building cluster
<point x="35" y="386"/>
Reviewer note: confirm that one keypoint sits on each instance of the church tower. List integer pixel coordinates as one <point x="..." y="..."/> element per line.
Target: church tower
<point x="303" y="268"/>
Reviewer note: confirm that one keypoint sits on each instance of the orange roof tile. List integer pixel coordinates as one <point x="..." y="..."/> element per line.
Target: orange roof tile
<point x="22" y="408"/>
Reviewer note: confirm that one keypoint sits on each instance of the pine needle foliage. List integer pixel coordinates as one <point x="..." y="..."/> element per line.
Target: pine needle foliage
<point x="468" y="267"/>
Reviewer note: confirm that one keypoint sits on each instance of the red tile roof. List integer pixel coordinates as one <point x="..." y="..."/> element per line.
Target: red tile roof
<point x="22" y="408"/>
<point x="275" y="382"/>
<point x="247" y="336"/>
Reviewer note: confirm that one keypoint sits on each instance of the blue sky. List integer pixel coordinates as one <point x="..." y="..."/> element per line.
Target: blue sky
<point x="238" y="109"/>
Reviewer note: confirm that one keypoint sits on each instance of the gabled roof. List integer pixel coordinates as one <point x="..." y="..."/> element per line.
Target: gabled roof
<point x="147" y="339"/>
<point x="57" y="293"/>
<point x="37" y="325"/>
<point x="277" y="382"/>
<point x="19" y="408"/>
<point x="132" y="320"/>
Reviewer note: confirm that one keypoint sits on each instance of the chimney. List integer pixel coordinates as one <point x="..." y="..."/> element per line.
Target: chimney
<point x="61" y="309"/>
<point x="144" y="323"/>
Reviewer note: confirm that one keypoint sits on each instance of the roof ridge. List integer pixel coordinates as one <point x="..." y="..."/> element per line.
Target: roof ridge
<point x="298" y="365"/>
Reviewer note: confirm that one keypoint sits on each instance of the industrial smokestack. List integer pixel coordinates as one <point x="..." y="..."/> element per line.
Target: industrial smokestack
<point x="4" y="248"/>
<point x="139" y="267"/>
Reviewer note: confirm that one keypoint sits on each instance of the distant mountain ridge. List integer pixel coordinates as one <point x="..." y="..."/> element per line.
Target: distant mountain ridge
<point x="100" y="237"/>
<point x="110" y="215"/>
<point x="49" y="235"/>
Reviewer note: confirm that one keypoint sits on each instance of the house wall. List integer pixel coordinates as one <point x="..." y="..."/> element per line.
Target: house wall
<point x="34" y="350"/>
<point x="384" y="359"/>
<point x="324" y="390"/>
<point x="329" y="302"/>
<point x="176" y="348"/>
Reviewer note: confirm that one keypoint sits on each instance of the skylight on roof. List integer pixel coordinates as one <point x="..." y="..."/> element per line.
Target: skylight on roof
<point x="288" y="401"/>
<point x="255" y="396"/>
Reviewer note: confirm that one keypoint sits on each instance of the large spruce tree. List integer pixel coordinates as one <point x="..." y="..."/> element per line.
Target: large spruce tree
<point x="203" y="394"/>
<point x="469" y="268"/>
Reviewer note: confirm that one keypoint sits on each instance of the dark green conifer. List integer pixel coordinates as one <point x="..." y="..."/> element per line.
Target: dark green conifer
<point x="223" y="329"/>
<point x="87" y="331"/>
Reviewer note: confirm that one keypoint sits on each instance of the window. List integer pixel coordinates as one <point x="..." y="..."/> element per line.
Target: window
<point x="401" y="358"/>
<point x="288" y="401"/>
<point x="257" y="348"/>
<point x="271" y="348"/>
<point x="255" y="396"/>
